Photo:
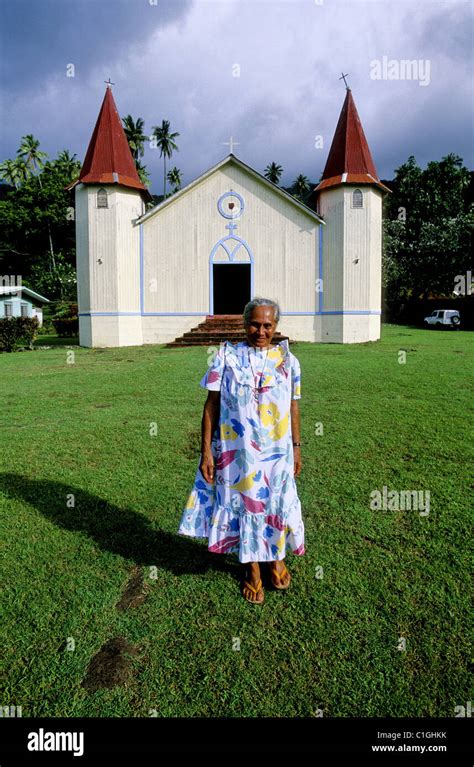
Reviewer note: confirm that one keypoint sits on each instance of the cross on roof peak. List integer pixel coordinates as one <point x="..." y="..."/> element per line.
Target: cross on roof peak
<point x="344" y="78"/>
<point x="231" y="144"/>
<point x="109" y="82"/>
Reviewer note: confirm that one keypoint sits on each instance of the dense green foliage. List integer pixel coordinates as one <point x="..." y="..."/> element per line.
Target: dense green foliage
<point x="17" y="333"/>
<point x="428" y="226"/>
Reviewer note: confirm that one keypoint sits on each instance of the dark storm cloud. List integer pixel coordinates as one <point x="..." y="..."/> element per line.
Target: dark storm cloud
<point x="449" y="31"/>
<point x="40" y="37"/>
<point x="176" y="61"/>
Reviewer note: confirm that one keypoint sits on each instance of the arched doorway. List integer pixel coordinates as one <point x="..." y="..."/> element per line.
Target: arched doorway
<point x="231" y="287"/>
<point x="231" y="281"/>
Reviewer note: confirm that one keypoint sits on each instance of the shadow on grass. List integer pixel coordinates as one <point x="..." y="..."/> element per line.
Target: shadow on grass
<point x="119" y="531"/>
<point x="52" y="340"/>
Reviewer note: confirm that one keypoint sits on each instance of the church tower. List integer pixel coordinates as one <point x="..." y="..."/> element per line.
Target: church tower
<point x="109" y="199"/>
<point x="349" y="198"/>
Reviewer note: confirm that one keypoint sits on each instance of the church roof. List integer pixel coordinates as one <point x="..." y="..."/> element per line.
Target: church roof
<point x="109" y="159"/>
<point x="231" y="158"/>
<point x="349" y="160"/>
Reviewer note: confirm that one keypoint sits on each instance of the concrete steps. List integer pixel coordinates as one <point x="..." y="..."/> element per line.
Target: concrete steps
<point x="216" y="329"/>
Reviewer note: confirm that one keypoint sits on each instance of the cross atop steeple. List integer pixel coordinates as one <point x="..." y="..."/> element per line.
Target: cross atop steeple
<point x="109" y="159"/>
<point x="349" y="160"/>
<point x="344" y="78"/>
<point x="109" y="82"/>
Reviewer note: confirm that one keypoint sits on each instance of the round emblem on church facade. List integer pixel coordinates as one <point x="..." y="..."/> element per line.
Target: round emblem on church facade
<point x="231" y="205"/>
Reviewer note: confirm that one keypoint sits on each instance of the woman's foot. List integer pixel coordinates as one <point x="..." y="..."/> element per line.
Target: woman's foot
<point x="252" y="589"/>
<point x="279" y="574"/>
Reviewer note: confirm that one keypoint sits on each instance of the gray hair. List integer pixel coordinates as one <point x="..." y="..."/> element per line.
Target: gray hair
<point x="258" y="301"/>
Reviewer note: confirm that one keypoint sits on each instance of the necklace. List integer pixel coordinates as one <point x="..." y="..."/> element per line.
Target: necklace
<point x="258" y="387"/>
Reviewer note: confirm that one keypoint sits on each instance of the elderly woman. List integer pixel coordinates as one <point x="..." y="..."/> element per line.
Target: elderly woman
<point x="244" y="499"/>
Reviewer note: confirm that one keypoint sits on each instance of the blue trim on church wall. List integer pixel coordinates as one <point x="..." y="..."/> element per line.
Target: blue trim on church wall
<point x="109" y="314"/>
<point x="231" y="255"/>
<point x="203" y="314"/>
<point x="238" y="213"/>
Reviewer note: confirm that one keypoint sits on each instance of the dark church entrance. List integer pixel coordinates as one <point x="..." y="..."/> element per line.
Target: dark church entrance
<point x="231" y="288"/>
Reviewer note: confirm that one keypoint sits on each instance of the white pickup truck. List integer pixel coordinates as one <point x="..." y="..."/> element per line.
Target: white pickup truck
<point x="448" y="318"/>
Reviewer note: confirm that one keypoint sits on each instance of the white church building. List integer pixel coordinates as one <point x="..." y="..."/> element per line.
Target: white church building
<point x="146" y="277"/>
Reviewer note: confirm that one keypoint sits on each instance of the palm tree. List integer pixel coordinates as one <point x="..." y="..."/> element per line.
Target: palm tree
<point x="174" y="177"/>
<point x="29" y="152"/>
<point x="143" y="174"/>
<point x="165" y="141"/>
<point x="301" y="186"/>
<point x="9" y="172"/>
<point x="70" y="165"/>
<point x="135" y="136"/>
<point x="33" y="157"/>
<point x="136" y="141"/>
<point x="273" y="172"/>
<point x="14" y="172"/>
<point x="21" y="169"/>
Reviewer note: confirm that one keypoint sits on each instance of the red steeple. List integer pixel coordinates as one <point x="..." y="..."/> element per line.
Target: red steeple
<point x="108" y="158"/>
<point x="349" y="160"/>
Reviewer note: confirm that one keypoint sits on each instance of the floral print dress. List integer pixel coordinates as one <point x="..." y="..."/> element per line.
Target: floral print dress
<point x="252" y="508"/>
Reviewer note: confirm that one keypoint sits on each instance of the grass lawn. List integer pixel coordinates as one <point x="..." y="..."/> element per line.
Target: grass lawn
<point x="98" y="587"/>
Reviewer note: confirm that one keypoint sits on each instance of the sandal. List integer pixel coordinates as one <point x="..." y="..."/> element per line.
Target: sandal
<point x="280" y="575"/>
<point x="255" y="591"/>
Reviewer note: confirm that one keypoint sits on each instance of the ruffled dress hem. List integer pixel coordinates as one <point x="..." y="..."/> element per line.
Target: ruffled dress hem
<point x="270" y="536"/>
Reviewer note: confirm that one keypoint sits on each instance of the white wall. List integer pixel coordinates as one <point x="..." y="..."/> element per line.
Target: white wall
<point x="108" y="265"/>
<point x="352" y="263"/>
<point x="178" y="241"/>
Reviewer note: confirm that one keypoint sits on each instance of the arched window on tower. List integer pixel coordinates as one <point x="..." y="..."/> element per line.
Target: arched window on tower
<point x="357" y="199"/>
<point x="102" y="201"/>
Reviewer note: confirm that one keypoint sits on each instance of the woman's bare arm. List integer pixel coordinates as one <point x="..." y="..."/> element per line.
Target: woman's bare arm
<point x="210" y="419"/>
<point x="295" y="420"/>
<point x="295" y="433"/>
